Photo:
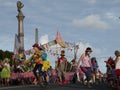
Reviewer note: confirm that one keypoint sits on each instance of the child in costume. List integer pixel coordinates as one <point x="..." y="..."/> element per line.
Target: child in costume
<point x="5" y="73"/>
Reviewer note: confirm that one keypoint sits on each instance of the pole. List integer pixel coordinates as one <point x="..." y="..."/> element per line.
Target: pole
<point x="36" y="35"/>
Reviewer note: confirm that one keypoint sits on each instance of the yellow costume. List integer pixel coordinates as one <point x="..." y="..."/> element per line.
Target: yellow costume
<point x="46" y="65"/>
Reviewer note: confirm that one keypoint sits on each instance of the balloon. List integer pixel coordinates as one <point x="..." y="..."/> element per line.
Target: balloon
<point x="44" y="56"/>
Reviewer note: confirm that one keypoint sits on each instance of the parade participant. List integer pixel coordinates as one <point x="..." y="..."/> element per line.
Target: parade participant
<point x="73" y="68"/>
<point x="62" y="66"/>
<point x="86" y="64"/>
<point x="5" y="73"/>
<point x="46" y="66"/>
<point x="95" y="69"/>
<point x="109" y="73"/>
<point x="37" y="57"/>
<point x="1" y="67"/>
<point x="117" y="62"/>
<point x="117" y="69"/>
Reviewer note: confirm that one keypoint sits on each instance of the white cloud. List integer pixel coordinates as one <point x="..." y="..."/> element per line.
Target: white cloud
<point x="82" y="48"/>
<point x="91" y="22"/>
<point x="97" y="51"/>
<point x="111" y="16"/>
<point x="44" y="39"/>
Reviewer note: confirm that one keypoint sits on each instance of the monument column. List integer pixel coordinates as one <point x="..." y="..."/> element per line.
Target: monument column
<point x="20" y="18"/>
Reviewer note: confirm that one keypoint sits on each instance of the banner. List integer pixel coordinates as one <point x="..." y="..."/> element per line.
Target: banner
<point x="16" y="45"/>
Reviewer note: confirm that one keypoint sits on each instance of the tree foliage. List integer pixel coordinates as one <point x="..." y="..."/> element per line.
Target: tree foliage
<point x="5" y="54"/>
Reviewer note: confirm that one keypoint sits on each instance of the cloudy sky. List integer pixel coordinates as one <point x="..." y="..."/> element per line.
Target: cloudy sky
<point x="93" y="23"/>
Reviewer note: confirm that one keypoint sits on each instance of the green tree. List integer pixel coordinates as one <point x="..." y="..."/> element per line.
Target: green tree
<point x="6" y="54"/>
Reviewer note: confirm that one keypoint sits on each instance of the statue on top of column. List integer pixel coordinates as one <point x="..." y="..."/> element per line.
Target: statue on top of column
<point x="19" y="6"/>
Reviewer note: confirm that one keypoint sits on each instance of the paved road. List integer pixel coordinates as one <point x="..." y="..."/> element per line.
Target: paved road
<point x="77" y="86"/>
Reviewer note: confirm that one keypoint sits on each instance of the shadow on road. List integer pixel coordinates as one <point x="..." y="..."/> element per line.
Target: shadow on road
<point x="77" y="86"/>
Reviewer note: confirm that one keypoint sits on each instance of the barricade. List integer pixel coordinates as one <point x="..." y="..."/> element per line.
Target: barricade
<point x="69" y="76"/>
<point x="22" y="78"/>
<point x="30" y="75"/>
<point x="22" y="75"/>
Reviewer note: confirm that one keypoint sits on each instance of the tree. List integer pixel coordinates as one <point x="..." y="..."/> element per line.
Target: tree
<point x="6" y="54"/>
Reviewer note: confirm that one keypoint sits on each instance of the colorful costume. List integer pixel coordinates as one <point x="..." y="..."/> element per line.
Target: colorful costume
<point x="46" y="65"/>
<point x="37" y="57"/>
<point x="5" y="71"/>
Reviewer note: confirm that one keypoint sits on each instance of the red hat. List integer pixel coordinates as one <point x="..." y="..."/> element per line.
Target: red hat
<point x="36" y="45"/>
<point x="62" y="53"/>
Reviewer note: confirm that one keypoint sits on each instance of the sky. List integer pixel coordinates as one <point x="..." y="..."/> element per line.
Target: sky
<point x="93" y="23"/>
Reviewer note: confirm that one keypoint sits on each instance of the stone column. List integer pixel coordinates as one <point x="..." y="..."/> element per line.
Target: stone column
<point x="20" y="18"/>
<point x="36" y="35"/>
<point x="21" y="31"/>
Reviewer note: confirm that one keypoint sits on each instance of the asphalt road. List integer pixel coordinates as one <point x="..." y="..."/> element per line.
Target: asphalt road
<point x="77" y="86"/>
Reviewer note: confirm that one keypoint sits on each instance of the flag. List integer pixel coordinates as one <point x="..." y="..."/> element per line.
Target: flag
<point x="51" y="43"/>
<point x="16" y="45"/>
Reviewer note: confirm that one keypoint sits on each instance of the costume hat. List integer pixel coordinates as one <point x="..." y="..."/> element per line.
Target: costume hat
<point x="36" y="45"/>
